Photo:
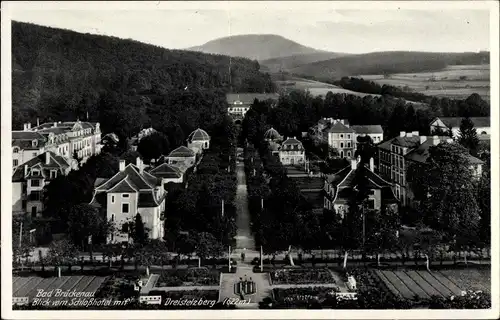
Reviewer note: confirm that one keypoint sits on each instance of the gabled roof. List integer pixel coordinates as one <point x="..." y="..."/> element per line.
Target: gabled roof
<point x="181" y="152"/>
<point x="123" y="186"/>
<point x="454" y="122"/>
<point x="139" y="181"/>
<point x="421" y="153"/>
<point x="338" y="127"/>
<point x="408" y="142"/>
<point x="55" y="163"/>
<point x="165" y="170"/>
<point x="198" y="135"/>
<point x="368" y="129"/>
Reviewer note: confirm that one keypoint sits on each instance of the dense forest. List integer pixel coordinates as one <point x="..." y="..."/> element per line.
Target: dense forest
<point x="124" y="84"/>
<point x="454" y="108"/>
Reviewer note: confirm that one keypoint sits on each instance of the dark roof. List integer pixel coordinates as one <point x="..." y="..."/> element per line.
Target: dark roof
<point x="292" y="144"/>
<point x="55" y="163"/>
<point x="123" y="186"/>
<point x="421" y="152"/>
<point x="272" y="134"/>
<point x="339" y="128"/>
<point x="23" y="139"/>
<point x="408" y="142"/>
<point x="165" y="170"/>
<point x="367" y="129"/>
<point x="451" y="122"/>
<point x="248" y="98"/>
<point x="198" y="135"/>
<point x="385" y="145"/>
<point x="181" y="152"/>
<point x="138" y="180"/>
<point x="327" y="121"/>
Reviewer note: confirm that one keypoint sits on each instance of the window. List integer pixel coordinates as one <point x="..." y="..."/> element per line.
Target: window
<point x="125" y="195"/>
<point x="348" y="136"/>
<point x="348" y="154"/>
<point x="484" y="132"/>
<point x="15" y="150"/>
<point x="34" y="154"/>
<point x="34" y="143"/>
<point x="53" y="174"/>
<point x="125" y="208"/>
<point x="15" y="162"/>
<point x="341" y="144"/>
<point x="348" y="144"/>
<point x="112" y="199"/>
<point x="35" y="182"/>
<point x="113" y="217"/>
<point x="341" y="136"/>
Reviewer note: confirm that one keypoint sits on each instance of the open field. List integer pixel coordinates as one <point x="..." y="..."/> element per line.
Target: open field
<point x="317" y="88"/>
<point x="457" y="82"/>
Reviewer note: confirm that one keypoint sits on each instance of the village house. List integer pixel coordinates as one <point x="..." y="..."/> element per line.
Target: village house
<point x="240" y="103"/>
<point x="167" y="173"/>
<point x="340" y="186"/>
<point x="129" y="192"/>
<point x="375" y="132"/>
<point x="444" y="124"/>
<point x="396" y="154"/>
<point x="292" y="152"/>
<point x="341" y="138"/>
<point x="181" y="157"/>
<point x="198" y="140"/>
<point x="29" y="180"/>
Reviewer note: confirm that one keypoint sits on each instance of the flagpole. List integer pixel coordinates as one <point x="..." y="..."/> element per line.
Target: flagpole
<point x="229" y="258"/>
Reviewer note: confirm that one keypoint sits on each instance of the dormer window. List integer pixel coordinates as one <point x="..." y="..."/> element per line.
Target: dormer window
<point x="15" y="150"/>
<point x="34" y="143"/>
<point x="35" y="172"/>
<point x="53" y="174"/>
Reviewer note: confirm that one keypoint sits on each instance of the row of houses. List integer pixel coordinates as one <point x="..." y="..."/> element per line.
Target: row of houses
<point x="386" y="173"/>
<point x="135" y="188"/>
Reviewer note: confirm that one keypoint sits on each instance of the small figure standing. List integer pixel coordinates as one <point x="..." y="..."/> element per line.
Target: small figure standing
<point x="243" y="256"/>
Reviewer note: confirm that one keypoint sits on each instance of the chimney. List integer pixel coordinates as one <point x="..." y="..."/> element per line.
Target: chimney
<point x="435" y="140"/>
<point x="354" y="164"/>
<point x="47" y="158"/>
<point x="423" y="139"/>
<point x="55" y="124"/>
<point x="409" y="134"/>
<point x="138" y="163"/>
<point x="342" y="121"/>
<point x="27" y="126"/>
<point x="25" y="170"/>
<point x="402" y="133"/>
<point x="416" y="133"/>
<point x="372" y="166"/>
<point x="122" y="165"/>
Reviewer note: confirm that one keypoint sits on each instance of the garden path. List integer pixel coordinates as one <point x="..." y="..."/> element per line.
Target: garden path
<point x="244" y="237"/>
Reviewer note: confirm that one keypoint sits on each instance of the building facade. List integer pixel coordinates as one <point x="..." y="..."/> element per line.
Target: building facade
<point x="29" y="180"/>
<point x="397" y="154"/>
<point x="292" y="152"/>
<point x="375" y="132"/>
<point x="444" y="124"/>
<point x="339" y="187"/>
<point x="341" y="138"/>
<point x="182" y="158"/>
<point x="130" y="192"/>
<point x="240" y="103"/>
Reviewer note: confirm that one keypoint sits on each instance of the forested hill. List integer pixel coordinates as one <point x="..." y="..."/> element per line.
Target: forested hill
<point x="61" y="75"/>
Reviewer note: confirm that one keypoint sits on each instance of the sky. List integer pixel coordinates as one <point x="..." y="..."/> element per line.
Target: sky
<point x="319" y="25"/>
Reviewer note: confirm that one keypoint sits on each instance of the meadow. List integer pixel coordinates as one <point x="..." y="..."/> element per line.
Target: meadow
<point x="456" y="82"/>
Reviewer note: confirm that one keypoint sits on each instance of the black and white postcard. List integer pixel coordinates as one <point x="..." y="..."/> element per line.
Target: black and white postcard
<point x="250" y="160"/>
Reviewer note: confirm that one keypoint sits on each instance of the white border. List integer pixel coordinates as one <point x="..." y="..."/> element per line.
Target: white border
<point x="6" y="160"/>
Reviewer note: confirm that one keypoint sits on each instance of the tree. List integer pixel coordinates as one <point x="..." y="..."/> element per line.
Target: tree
<point x="153" y="146"/>
<point x="381" y="230"/>
<point x="62" y="252"/>
<point x="207" y="245"/>
<point x="484" y="203"/>
<point x="84" y="221"/>
<point x="139" y="234"/>
<point x="444" y="186"/>
<point x="468" y="136"/>
<point x="365" y="148"/>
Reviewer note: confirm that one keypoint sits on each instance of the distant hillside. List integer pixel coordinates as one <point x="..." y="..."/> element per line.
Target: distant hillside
<point x="61" y="75"/>
<point x="256" y="47"/>
<point x="386" y="63"/>
<point x="291" y="62"/>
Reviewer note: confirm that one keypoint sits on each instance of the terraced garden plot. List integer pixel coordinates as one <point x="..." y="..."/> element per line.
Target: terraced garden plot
<point x="29" y="286"/>
<point x="469" y="279"/>
<point x="424" y="284"/>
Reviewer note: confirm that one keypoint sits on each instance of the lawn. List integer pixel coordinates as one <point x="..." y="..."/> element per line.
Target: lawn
<point x="302" y="276"/>
<point x="469" y="279"/>
<point x="190" y="277"/>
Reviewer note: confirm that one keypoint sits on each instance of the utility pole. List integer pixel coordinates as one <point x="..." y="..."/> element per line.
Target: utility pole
<point x="261" y="260"/>
<point x="229" y="258"/>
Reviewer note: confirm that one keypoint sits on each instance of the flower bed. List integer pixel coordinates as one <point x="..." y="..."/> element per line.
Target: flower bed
<point x="304" y="297"/>
<point x="301" y="276"/>
<point x="190" y="277"/>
